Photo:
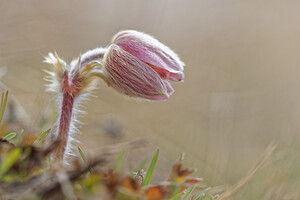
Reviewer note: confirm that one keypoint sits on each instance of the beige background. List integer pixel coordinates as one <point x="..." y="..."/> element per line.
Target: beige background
<point x="241" y="89"/>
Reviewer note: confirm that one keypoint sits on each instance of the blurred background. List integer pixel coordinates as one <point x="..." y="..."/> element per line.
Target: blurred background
<point x="241" y="90"/>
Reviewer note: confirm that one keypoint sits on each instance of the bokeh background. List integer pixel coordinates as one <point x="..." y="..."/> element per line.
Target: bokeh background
<point x="241" y="90"/>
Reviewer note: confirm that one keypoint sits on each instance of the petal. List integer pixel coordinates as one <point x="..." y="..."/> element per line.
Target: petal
<point x="131" y="76"/>
<point x="158" y="98"/>
<point x="178" y="76"/>
<point x="160" y="57"/>
<point x="170" y="89"/>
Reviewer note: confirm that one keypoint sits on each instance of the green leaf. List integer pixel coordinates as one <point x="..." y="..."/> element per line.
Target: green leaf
<point x="20" y="137"/>
<point x="9" y="161"/>
<point x="176" y="193"/>
<point x="203" y="194"/>
<point x="187" y="193"/>
<point x="3" y="104"/>
<point x="82" y="155"/>
<point x="9" y="136"/>
<point x="83" y="158"/>
<point x="150" y="169"/>
<point x="42" y="136"/>
<point x="176" y="196"/>
<point x="119" y="165"/>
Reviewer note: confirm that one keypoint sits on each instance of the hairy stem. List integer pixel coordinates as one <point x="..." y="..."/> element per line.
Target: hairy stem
<point x="93" y="55"/>
<point x="70" y="82"/>
<point x="64" y="125"/>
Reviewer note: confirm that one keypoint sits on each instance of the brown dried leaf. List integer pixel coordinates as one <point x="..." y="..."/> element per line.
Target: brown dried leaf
<point x="178" y="174"/>
<point x="130" y="184"/>
<point x="157" y="192"/>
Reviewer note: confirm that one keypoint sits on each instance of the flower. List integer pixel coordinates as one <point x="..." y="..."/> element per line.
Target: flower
<point x="138" y="65"/>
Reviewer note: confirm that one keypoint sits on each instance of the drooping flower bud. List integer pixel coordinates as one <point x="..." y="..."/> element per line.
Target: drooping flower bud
<point x="136" y="64"/>
<point x="131" y="76"/>
<point x="157" y="55"/>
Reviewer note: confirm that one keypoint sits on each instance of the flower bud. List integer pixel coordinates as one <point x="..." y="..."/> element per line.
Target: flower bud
<point x="158" y="56"/>
<point x="136" y="64"/>
<point x="131" y="76"/>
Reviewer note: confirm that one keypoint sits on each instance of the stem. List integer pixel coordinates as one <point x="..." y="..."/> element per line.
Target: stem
<point x="64" y="125"/>
<point x="71" y="81"/>
<point x="92" y="55"/>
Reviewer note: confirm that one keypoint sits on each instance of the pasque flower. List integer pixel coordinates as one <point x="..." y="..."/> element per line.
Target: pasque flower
<point x="135" y="64"/>
<point x="138" y="65"/>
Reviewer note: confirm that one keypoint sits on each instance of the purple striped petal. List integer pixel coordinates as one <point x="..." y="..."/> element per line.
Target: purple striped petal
<point x="131" y="76"/>
<point x="158" y="56"/>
